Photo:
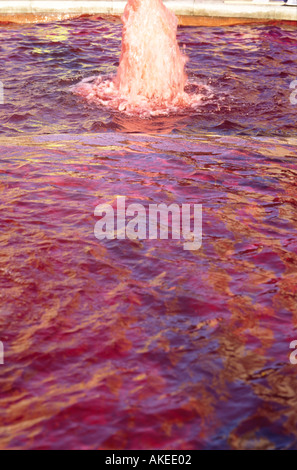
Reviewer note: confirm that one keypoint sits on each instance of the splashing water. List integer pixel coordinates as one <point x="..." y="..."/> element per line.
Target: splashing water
<point x="151" y="79"/>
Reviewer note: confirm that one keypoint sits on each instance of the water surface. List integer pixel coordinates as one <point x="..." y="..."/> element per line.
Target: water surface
<point x="142" y="345"/>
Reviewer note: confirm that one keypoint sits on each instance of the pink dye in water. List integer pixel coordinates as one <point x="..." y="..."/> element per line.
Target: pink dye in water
<point x="151" y="77"/>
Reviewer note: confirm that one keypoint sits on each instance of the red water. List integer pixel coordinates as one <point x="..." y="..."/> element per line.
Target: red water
<point x="151" y="79"/>
<point x="248" y="68"/>
<point x="129" y="345"/>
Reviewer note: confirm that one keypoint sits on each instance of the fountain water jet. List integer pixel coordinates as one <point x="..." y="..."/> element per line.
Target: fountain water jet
<point x="151" y="78"/>
<point x="151" y="64"/>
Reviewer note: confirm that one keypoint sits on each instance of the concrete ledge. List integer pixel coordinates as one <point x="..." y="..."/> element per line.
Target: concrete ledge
<point x="196" y="12"/>
<point x="255" y="11"/>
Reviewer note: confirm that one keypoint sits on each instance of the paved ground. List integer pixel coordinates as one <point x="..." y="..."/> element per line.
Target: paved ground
<point x="189" y="12"/>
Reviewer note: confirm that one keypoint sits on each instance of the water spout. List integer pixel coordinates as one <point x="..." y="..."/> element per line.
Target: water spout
<point x="151" y="63"/>
<point x="151" y="76"/>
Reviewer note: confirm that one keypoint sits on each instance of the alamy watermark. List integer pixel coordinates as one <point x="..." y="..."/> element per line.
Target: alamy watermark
<point x="1" y="353"/>
<point x="293" y="355"/>
<point x="136" y="222"/>
<point x="1" y="93"/>
<point x="293" y="95"/>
